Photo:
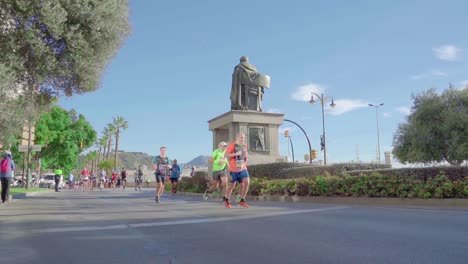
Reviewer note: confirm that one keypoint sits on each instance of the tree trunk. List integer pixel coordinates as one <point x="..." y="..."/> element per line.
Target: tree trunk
<point x="109" y="146"/>
<point x="116" y="148"/>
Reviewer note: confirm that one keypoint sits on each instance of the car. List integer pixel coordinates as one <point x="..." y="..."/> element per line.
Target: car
<point x="48" y="181"/>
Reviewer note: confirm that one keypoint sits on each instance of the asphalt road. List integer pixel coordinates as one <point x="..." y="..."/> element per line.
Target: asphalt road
<point x="129" y="227"/>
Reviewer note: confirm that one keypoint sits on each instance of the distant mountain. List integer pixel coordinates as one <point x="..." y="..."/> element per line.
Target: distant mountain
<point x="198" y="161"/>
<point x="131" y="160"/>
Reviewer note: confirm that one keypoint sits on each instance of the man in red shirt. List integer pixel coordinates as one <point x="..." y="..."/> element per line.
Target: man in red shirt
<point x="236" y="152"/>
<point x="85" y="178"/>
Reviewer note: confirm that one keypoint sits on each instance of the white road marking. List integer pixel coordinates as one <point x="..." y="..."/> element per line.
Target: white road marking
<point x="184" y="222"/>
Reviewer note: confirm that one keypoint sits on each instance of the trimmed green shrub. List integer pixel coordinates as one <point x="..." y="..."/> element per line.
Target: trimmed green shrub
<point x="373" y="185"/>
<point x="451" y="172"/>
<point x="198" y="183"/>
<point x="285" y="170"/>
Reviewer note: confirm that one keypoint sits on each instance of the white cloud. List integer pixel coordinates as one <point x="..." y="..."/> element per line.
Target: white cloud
<point x="404" y="110"/>
<point x="447" y="52"/>
<point x="303" y="93"/>
<point x="346" y="105"/>
<point x="273" y="110"/>
<point x="387" y="114"/>
<point x="463" y="84"/>
<point x="427" y="75"/>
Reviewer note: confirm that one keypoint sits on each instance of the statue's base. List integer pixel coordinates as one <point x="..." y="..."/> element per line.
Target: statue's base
<point x="261" y="130"/>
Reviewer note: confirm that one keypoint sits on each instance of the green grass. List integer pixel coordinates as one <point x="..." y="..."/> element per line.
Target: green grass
<point x="23" y="190"/>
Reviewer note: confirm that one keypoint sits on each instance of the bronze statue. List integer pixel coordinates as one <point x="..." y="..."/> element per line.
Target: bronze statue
<point x="247" y="87"/>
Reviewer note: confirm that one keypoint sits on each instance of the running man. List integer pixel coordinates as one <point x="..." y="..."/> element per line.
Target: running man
<point x="161" y="164"/>
<point x="219" y="171"/>
<point x="175" y="174"/>
<point x="114" y="179"/>
<point x="138" y="178"/>
<point x="237" y="154"/>
<point x="123" y="180"/>
<point x="85" y="178"/>
<point x="102" y="179"/>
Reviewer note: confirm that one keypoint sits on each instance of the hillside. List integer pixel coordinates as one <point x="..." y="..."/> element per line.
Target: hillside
<point x="131" y="160"/>
<point x="198" y="161"/>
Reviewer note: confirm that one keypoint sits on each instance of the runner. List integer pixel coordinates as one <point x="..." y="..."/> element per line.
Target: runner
<point x="237" y="153"/>
<point x="162" y="164"/>
<point x="175" y="174"/>
<point x="85" y="178"/>
<point x="123" y="175"/>
<point x="92" y="181"/>
<point x="114" y="179"/>
<point x="138" y="178"/>
<point x="219" y="171"/>
<point x="102" y="179"/>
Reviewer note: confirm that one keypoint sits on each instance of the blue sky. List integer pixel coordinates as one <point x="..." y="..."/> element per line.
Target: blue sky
<point x="173" y="73"/>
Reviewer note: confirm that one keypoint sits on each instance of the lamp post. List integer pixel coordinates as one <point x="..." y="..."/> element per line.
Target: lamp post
<point x="378" y="134"/>
<point x="323" y="139"/>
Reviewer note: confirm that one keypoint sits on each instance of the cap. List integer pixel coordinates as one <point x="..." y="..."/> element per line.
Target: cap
<point x="222" y="143"/>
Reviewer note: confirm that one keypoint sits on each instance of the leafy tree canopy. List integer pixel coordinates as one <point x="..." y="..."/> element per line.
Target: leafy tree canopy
<point x="63" y="139"/>
<point x="61" y="46"/>
<point x="436" y="130"/>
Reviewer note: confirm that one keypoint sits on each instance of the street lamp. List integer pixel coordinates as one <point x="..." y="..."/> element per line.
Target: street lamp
<point x="378" y="135"/>
<point x="323" y="140"/>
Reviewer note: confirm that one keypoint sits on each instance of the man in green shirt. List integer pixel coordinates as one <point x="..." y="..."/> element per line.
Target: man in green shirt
<point x="58" y="175"/>
<point x="219" y="170"/>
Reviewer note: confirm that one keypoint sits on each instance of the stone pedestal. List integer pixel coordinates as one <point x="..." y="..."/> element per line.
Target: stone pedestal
<point x="261" y="130"/>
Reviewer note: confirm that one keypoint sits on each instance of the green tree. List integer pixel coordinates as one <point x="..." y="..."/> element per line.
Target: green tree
<point x="50" y="48"/>
<point x="62" y="139"/>
<point x="436" y="130"/>
<point x="119" y="124"/>
<point x="61" y="46"/>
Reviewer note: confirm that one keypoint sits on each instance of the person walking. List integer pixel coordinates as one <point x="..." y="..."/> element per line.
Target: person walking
<point x="237" y="154"/>
<point x="57" y="177"/>
<point x="162" y="164"/>
<point x="7" y="168"/>
<point x="175" y="174"/>
<point x="219" y="171"/>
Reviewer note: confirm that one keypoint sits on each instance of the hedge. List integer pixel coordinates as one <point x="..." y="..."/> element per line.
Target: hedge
<point x="285" y="170"/>
<point x="451" y="172"/>
<point x="374" y="185"/>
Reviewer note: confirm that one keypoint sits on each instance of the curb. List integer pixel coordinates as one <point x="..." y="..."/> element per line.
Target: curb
<point x="365" y="201"/>
<point x="26" y="194"/>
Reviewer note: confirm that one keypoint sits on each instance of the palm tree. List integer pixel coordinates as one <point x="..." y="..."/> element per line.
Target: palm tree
<point x="119" y="123"/>
<point x="109" y="131"/>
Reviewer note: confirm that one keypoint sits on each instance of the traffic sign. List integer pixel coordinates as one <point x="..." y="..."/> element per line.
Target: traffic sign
<point x="36" y="148"/>
<point x="23" y="148"/>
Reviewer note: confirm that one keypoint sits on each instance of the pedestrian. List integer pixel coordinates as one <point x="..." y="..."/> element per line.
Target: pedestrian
<point x="102" y="179"/>
<point x="162" y="164"/>
<point x="237" y="154"/>
<point x="138" y="178"/>
<point x="219" y="171"/>
<point x="7" y="168"/>
<point x="176" y="170"/>
<point x="71" y="181"/>
<point x="85" y="178"/>
<point x="57" y="177"/>
<point x="192" y="173"/>
<point x="114" y="179"/>
<point x="123" y="175"/>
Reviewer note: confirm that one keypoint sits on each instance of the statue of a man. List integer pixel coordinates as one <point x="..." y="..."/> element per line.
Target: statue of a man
<point x="247" y="87"/>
